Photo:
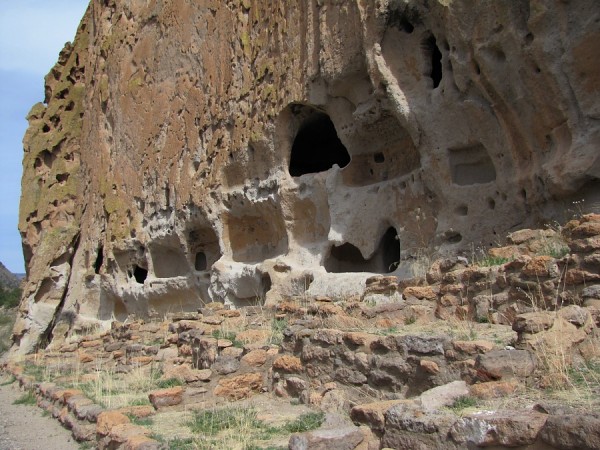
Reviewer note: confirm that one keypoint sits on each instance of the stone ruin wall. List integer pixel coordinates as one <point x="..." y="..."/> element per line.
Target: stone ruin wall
<point x="197" y="151"/>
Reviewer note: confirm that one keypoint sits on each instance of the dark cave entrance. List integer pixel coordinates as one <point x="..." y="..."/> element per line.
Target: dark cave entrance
<point x="140" y="274"/>
<point x="200" y="262"/>
<point x="435" y="55"/>
<point x="99" y="260"/>
<point x="348" y="258"/>
<point x="317" y="147"/>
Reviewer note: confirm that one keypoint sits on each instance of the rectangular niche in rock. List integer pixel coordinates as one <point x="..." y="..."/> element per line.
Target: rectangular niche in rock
<point x="471" y="165"/>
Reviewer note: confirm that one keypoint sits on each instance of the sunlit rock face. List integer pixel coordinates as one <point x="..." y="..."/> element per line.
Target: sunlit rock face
<point x="248" y="151"/>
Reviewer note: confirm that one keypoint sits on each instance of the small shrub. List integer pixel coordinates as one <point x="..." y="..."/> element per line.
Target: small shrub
<point x="277" y="327"/>
<point x="558" y="252"/>
<point x="410" y="320"/>
<point x="463" y="402"/>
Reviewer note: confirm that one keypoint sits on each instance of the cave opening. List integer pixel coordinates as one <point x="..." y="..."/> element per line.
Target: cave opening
<point x="317" y="147"/>
<point x="140" y="274"/>
<point x="99" y="259"/>
<point x="200" y="262"/>
<point x="265" y="285"/>
<point x="168" y="260"/>
<point x="348" y="258"/>
<point x="203" y="246"/>
<point x="435" y="55"/>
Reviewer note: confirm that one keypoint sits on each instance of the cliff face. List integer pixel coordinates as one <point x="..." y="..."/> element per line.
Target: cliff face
<point x="244" y="151"/>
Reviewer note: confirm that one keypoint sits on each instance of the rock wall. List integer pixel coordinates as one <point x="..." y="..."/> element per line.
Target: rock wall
<point x="248" y="151"/>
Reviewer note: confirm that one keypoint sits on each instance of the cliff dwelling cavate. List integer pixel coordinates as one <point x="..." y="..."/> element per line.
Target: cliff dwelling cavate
<point x="140" y="274"/>
<point x="99" y="259"/>
<point x="168" y="262"/>
<point x="200" y="263"/>
<point x="471" y="165"/>
<point x="317" y="147"/>
<point x="348" y="258"/>
<point x="296" y="204"/>
<point x="203" y="247"/>
<point x="435" y="58"/>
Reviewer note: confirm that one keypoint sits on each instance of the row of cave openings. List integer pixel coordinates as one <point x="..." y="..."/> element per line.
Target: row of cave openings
<point x="168" y="262"/>
<point x="167" y="255"/>
<point x="342" y="259"/>
<point x="316" y="148"/>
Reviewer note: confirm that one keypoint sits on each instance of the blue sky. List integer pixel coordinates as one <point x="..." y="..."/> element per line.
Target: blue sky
<point x="32" y="33"/>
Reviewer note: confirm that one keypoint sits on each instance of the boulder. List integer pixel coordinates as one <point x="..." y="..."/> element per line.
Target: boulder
<point x="239" y="387"/>
<point x="166" y="397"/>
<point x="347" y="438"/>
<point x="572" y="431"/>
<point x="504" y="364"/>
<point x="509" y="428"/>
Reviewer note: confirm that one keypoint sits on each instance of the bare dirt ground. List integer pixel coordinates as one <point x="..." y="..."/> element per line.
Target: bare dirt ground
<point x="24" y="427"/>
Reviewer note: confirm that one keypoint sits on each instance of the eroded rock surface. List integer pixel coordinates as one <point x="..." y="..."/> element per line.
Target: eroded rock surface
<point x="253" y="151"/>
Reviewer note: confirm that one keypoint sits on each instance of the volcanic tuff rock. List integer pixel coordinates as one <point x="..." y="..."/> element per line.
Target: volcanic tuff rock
<point x="190" y="152"/>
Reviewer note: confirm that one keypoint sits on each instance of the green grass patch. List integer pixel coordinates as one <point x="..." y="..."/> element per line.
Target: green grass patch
<point x="142" y="421"/>
<point x="490" y="261"/>
<point x="168" y="383"/>
<point x="463" y="402"/>
<point x="230" y="336"/>
<point x="240" y="428"/>
<point x="389" y="331"/>
<point x="28" y="398"/>
<point x="35" y="371"/>
<point x="181" y="444"/>
<point x="214" y="421"/>
<point x="586" y="375"/>
<point x="142" y="401"/>
<point x="277" y="328"/>
<point x="11" y="380"/>
<point x="306" y="422"/>
<point x="256" y="447"/>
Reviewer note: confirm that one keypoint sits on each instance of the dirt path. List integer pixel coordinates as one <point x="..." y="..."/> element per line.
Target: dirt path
<point x="23" y="427"/>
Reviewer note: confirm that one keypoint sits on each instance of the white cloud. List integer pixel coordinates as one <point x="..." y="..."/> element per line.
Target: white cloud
<point x="32" y="32"/>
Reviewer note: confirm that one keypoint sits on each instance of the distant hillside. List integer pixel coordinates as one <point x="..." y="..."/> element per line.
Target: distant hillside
<point x="8" y="280"/>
